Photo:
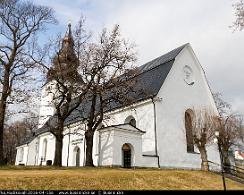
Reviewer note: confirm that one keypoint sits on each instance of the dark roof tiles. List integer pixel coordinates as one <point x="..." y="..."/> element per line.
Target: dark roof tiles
<point x="149" y="80"/>
<point x="162" y="59"/>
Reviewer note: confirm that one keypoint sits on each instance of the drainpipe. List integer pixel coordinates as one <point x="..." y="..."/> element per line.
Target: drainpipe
<point x="35" y="152"/>
<point x="99" y="147"/>
<point x="84" y="159"/>
<point x="37" y="145"/>
<point x="27" y="154"/>
<point x="68" y="150"/>
<point x="155" y="131"/>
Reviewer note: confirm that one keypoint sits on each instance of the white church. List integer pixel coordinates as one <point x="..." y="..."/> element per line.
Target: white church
<point x="152" y="132"/>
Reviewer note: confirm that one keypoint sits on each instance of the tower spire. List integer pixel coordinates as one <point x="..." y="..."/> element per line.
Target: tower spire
<point x="68" y="41"/>
<point x="67" y="49"/>
<point x="66" y="58"/>
<point x="68" y="34"/>
<point x="69" y="28"/>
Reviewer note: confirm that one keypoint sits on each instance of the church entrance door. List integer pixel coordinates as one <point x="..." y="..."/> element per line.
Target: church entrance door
<point x="77" y="157"/>
<point x="126" y="156"/>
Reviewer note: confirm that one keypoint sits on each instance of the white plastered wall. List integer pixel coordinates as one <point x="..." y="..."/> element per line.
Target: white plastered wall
<point x="177" y="96"/>
<point x="47" y="108"/>
<point x="21" y="155"/>
<point x="33" y="152"/>
<point x="111" y="144"/>
<point x="143" y="113"/>
<point x="50" y="147"/>
<point x="73" y="138"/>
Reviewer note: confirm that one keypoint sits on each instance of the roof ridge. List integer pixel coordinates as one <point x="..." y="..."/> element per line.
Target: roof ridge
<point x="171" y="55"/>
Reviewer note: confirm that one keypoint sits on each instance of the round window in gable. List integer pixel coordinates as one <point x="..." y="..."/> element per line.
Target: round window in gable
<point x="188" y="75"/>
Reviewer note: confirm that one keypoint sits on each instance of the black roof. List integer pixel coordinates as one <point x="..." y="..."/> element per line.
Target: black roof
<point x="27" y="139"/>
<point x="148" y="83"/>
<point x="45" y="128"/>
<point x="150" y="79"/>
<point x="162" y="59"/>
<point x="146" y="86"/>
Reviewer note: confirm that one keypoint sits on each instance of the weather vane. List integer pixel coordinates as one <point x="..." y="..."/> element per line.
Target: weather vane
<point x="69" y="22"/>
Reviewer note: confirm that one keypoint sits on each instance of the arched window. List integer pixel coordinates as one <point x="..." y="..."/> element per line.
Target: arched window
<point x="131" y="120"/>
<point x="44" y="150"/>
<point x="77" y="156"/>
<point x="188" y="128"/>
<point x="102" y="126"/>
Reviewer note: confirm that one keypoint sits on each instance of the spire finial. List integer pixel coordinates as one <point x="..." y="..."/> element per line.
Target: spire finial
<point x="68" y="34"/>
<point x="69" y="24"/>
<point x="69" y="28"/>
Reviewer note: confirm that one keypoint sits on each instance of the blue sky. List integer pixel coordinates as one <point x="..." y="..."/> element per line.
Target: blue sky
<point x="158" y="26"/>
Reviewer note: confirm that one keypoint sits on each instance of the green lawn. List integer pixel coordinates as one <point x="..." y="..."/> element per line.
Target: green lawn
<point x="44" y="178"/>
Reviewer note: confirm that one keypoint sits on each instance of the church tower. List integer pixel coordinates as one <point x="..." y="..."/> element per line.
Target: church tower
<point x="64" y="66"/>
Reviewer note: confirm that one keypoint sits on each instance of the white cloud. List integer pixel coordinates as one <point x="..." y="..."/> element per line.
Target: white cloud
<point x="238" y="104"/>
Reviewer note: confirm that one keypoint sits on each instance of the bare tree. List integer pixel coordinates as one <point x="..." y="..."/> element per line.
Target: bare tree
<point x="20" y="21"/>
<point x="86" y="76"/>
<point x="223" y="107"/>
<point x="65" y="85"/>
<point x="239" y="13"/>
<point x="110" y="65"/>
<point x="204" y="125"/>
<point x="14" y="134"/>
<point x="230" y="133"/>
<point x="230" y="128"/>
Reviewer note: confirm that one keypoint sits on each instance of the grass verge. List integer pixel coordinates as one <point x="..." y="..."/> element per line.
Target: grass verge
<point x="51" y="178"/>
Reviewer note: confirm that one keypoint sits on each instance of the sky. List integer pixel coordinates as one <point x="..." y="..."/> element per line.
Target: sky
<point x="158" y="26"/>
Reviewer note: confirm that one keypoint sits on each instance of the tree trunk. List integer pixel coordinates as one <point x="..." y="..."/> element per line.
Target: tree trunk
<point x="204" y="157"/>
<point x="89" y="146"/>
<point x="226" y="160"/>
<point x="1" y="140"/>
<point x="58" y="151"/>
<point x="59" y="144"/>
<point x="5" y="93"/>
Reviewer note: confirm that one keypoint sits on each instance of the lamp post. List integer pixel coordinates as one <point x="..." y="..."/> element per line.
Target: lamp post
<point x="216" y="140"/>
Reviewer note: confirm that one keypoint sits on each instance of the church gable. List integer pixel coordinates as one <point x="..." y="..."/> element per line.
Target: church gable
<point x="185" y="88"/>
<point x="186" y="81"/>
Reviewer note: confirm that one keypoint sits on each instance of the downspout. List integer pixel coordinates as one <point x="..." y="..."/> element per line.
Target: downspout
<point x="68" y="150"/>
<point x="84" y="159"/>
<point x="155" y="132"/>
<point x="37" y="150"/>
<point x="99" y="147"/>
<point x="27" y="154"/>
